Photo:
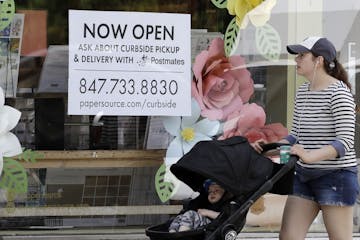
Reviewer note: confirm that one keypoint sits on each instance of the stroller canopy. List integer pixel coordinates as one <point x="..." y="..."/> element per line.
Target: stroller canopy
<point x="232" y="163"/>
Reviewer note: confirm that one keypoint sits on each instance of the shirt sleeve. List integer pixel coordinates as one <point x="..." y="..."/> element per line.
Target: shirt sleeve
<point x="339" y="147"/>
<point x="343" y="110"/>
<point x="291" y="139"/>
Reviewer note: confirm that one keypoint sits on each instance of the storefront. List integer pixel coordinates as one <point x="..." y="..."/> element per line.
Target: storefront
<point x="99" y="170"/>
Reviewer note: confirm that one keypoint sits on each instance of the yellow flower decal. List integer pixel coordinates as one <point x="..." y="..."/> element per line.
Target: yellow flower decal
<point x="257" y="11"/>
<point x="188" y="134"/>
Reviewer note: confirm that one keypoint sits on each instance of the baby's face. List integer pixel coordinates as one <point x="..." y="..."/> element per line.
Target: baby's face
<point x="215" y="193"/>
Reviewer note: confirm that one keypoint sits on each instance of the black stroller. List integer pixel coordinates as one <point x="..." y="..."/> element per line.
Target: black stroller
<point x="238" y="168"/>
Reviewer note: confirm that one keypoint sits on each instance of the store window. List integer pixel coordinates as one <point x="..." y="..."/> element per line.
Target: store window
<point x="34" y="68"/>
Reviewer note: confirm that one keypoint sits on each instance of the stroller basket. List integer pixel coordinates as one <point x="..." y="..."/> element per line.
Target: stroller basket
<point x="237" y="167"/>
<point x="160" y="232"/>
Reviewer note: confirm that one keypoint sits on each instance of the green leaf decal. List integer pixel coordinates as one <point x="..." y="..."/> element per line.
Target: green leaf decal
<point x="231" y="37"/>
<point x="14" y="177"/>
<point x="163" y="189"/>
<point x="10" y="205"/>
<point x="219" y="3"/>
<point x="268" y="42"/>
<point x="7" y="12"/>
<point x="29" y="156"/>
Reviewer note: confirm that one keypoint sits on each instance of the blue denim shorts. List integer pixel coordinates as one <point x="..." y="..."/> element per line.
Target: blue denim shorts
<point x="336" y="187"/>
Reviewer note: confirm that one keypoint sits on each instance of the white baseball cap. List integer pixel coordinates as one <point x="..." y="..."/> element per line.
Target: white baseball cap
<point x="318" y="46"/>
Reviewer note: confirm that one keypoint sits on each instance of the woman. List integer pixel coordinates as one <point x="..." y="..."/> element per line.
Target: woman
<point x="322" y="135"/>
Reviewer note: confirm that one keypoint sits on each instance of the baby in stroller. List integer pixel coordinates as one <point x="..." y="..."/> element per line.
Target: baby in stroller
<point x="244" y="174"/>
<point x="192" y="219"/>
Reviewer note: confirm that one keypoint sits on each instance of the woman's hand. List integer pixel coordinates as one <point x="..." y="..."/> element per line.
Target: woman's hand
<point x="257" y="145"/>
<point x="304" y="155"/>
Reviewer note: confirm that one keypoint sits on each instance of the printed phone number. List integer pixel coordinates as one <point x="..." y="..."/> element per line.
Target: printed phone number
<point x="128" y="86"/>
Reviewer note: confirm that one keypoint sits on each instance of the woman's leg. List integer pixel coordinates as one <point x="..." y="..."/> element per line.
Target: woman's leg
<point x="299" y="213"/>
<point x="337" y="194"/>
<point x="338" y="221"/>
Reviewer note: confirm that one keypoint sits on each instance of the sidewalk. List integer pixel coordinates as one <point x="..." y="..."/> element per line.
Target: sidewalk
<point x="126" y="234"/>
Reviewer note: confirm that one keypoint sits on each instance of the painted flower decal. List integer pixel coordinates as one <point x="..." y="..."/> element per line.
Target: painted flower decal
<point x="257" y="11"/>
<point x="221" y="84"/>
<point x="9" y="143"/>
<point x="188" y="131"/>
<point x="269" y="133"/>
<point x="250" y="123"/>
<point x="239" y="122"/>
<point x="180" y="190"/>
<point x="221" y="90"/>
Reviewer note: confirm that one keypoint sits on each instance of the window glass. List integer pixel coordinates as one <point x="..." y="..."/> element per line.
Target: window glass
<point x="35" y="81"/>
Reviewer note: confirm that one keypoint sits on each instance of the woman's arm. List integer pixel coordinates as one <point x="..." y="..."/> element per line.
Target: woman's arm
<point x="343" y="111"/>
<point x="310" y="156"/>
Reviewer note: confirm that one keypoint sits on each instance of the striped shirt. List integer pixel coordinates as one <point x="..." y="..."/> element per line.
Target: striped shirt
<point x="326" y="117"/>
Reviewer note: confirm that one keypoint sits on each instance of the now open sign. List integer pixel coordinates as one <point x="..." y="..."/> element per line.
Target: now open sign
<point x="129" y="63"/>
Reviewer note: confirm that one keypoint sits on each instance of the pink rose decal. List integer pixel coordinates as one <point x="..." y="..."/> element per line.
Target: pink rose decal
<point x="238" y="123"/>
<point x="269" y="133"/>
<point x="221" y="85"/>
<point x="250" y="123"/>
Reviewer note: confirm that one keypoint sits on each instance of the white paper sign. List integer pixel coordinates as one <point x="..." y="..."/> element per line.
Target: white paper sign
<point x="129" y="63"/>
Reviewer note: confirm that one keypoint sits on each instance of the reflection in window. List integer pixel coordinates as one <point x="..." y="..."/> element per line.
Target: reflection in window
<point x="106" y="190"/>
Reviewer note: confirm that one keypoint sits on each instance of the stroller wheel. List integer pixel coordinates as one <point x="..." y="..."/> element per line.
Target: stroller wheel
<point x="229" y="233"/>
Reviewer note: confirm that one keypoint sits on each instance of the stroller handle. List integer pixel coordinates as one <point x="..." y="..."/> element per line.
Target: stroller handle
<point x="272" y="146"/>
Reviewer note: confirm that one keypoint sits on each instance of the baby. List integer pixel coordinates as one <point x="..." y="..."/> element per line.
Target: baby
<point x="194" y="219"/>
